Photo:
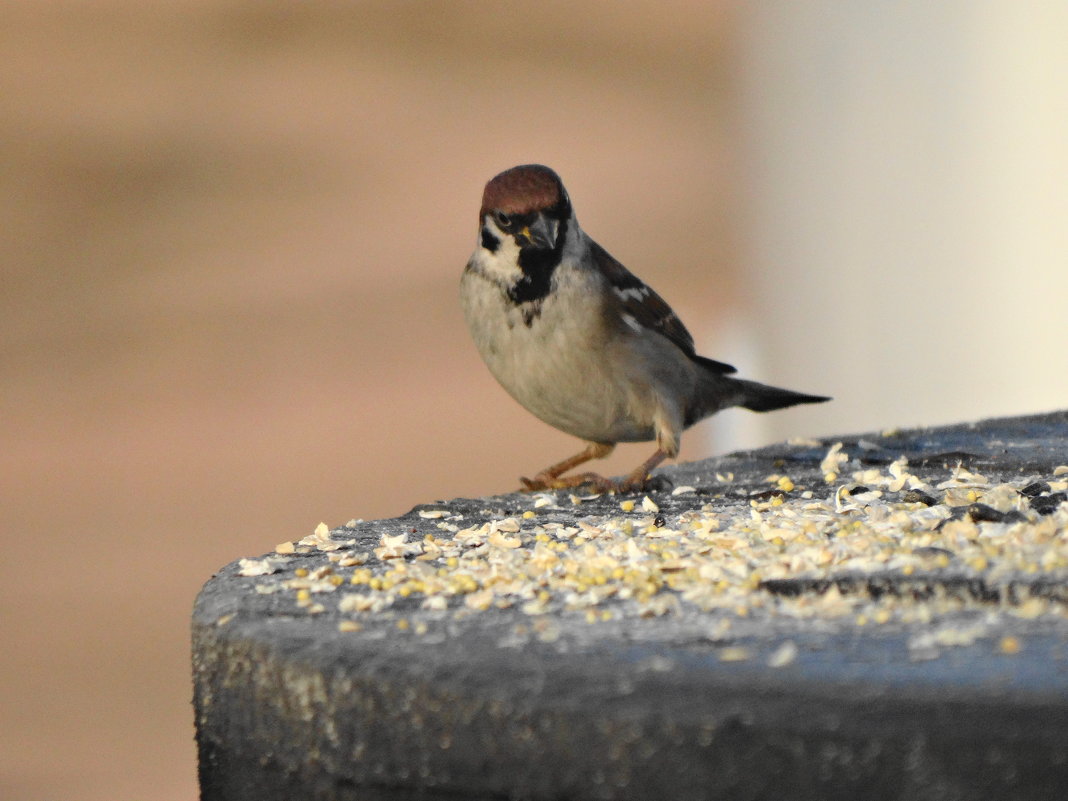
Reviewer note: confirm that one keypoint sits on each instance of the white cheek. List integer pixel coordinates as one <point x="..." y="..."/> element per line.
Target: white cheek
<point x="502" y="263"/>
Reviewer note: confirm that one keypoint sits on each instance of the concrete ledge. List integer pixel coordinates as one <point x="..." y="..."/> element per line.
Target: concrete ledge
<point x="939" y="672"/>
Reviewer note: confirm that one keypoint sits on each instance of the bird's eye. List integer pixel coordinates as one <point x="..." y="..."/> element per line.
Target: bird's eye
<point x="502" y="219"/>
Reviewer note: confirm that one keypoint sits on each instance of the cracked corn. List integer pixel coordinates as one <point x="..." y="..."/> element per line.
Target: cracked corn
<point x="642" y="562"/>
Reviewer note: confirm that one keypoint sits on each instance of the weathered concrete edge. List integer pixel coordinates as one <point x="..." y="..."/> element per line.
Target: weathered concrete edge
<point x="523" y="722"/>
<point x="309" y="726"/>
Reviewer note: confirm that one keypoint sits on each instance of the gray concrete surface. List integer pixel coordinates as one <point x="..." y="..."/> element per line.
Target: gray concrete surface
<point x="967" y="699"/>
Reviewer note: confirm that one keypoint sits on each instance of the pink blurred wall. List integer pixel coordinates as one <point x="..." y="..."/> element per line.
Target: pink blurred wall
<point x="231" y="243"/>
<point x="232" y="233"/>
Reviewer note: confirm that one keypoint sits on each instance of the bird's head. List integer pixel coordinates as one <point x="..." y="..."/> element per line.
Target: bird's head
<point x="528" y="204"/>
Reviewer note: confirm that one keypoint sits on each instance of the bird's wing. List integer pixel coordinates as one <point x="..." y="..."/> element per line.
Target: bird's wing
<point x="643" y="305"/>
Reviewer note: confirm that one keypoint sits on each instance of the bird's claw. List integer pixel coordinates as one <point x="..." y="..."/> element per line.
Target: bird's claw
<point x="622" y="486"/>
<point x="533" y="484"/>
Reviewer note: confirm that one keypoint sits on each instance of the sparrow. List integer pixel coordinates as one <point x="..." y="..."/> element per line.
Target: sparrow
<point x="581" y="342"/>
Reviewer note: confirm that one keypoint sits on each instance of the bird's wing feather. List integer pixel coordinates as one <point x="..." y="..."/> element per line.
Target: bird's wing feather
<point x="642" y="304"/>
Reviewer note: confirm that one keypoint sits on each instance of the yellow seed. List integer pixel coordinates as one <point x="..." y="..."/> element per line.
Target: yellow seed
<point x="735" y="653"/>
<point x="300" y="572"/>
<point x="627" y="506"/>
<point x="337" y="581"/>
<point x="785" y="484"/>
<point x="1009" y="645"/>
<point x="303" y="595"/>
<point x="349" y="625"/>
<point x="403" y="624"/>
<point x="528" y="514"/>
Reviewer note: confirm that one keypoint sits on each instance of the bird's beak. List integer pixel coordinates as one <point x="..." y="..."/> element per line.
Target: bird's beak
<point x="541" y="233"/>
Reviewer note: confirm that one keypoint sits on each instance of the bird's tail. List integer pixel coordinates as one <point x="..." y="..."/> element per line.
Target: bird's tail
<point x="759" y="397"/>
<point x="716" y="390"/>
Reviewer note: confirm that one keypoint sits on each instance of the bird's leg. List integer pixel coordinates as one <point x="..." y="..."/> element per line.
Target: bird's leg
<point x="549" y="478"/>
<point x="668" y="427"/>
<point x="639" y="477"/>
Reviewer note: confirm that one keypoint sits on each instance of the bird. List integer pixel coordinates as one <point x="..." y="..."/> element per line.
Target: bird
<point x="581" y="342"/>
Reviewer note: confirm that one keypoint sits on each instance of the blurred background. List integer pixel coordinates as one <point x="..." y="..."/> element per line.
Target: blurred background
<point x="232" y="232"/>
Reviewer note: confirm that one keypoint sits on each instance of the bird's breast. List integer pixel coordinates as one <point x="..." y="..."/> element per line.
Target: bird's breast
<point x="552" y="355"/>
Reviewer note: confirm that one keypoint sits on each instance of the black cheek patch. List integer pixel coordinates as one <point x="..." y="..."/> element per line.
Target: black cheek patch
<point x="489" y="241"/>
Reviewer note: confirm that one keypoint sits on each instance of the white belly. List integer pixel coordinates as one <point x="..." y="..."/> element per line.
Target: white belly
<point x="556" y="366"/>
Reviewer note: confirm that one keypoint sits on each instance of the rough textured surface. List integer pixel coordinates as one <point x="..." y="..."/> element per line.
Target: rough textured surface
<point x="960" y="692"/>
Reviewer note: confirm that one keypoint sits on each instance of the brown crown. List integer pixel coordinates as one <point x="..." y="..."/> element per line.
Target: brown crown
<point x="523" y="189"/>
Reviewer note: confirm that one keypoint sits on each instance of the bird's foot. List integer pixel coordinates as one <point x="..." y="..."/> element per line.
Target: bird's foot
<point x="547" y="481"/>
<point x="635" y="482"/>
<point x="632" y="483"/>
